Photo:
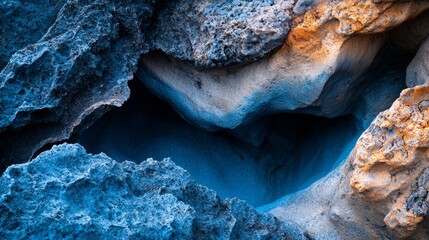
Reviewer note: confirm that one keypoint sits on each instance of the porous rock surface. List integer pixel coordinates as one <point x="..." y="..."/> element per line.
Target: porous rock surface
<point x="221" y="64"/>
<point x="79" y="67"/>
<point x="381" y="191"/>
<point x="332" y="42"/>
<point x="214" y="33"/>
<point x="17" y="30"/>
<point x="69" y="194"/>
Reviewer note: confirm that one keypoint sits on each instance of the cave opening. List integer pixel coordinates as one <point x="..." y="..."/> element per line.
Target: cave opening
<point x="260" y="163"/>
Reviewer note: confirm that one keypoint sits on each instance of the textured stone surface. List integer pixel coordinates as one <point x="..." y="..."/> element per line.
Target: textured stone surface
<point x="79" y="66"/>
<point x="418" y="201"/>
<point x="213" y="33"/>
<point x="331" y="43"/>
<point x="68" y="194"/>
<point x="222" y="65"/>
<point x="391" y="155"/>
<point x="381" y="191"/>
<point x="24" y="23"/>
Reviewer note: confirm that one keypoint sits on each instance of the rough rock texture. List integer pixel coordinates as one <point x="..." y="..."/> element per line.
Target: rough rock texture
<point x="68" y="194"/>
<point x="418" y="201"/>
<point x="328" y="44"/>
<point x="81" y="65"/>
<point x="222" y="65"/>
<point x="418" y="70"/>
<point x="380" y="192"/>
<point x="390" y="155"/>
<point x="23" y="24"/>
<point x="214" y="33"/>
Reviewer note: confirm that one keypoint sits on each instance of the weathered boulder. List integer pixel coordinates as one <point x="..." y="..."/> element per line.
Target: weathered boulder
<point x="78" y="68"/>
<point x="333" y="42"/>
<point x="66" y="193"/>
<point x="214" y="33"/>
<point x="390" y="157"/>
<point x="381" y="191"/>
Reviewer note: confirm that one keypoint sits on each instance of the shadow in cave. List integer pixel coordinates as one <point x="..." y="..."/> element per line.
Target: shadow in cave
<point x="292" y="152"/>
<point x="261" y="162"/>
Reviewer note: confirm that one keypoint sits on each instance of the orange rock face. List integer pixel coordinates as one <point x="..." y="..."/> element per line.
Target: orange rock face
<point x="391" y="155"/>
<point x="327" y="25"/>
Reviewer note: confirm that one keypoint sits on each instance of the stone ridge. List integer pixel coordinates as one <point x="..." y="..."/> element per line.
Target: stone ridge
<point x="318" y="63"/>
<point x="66" y="193"/>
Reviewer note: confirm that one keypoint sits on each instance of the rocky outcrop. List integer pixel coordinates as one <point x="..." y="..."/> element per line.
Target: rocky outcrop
<point x="78" y="68"/>
<point x="222" y="65"/>
<point x="213" y="33"/>
<point x="66" y="193"/>
<point x="390" y="157"/>
<point x="326" y="45"/>
<point x="380" y="192"/>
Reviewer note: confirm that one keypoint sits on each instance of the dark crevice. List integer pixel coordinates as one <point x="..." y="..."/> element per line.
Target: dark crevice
<point x="288" y="153"/>
<point x="262" y="161"/>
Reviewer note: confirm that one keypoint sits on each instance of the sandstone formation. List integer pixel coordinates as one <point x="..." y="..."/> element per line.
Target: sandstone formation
<point x="69" y="194"/>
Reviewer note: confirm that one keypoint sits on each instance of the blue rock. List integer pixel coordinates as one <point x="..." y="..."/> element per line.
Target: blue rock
<point x="78" y="68"/>
<point x="213" y="33"/>
<point x="66" y="193"/>
<point x="24" y="23"/>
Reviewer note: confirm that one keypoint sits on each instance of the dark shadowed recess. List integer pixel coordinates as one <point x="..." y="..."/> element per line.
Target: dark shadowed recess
<point x="275" y="156"/>
<point x="261" y="162"/>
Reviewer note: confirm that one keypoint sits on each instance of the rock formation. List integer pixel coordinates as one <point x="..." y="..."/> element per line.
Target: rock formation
<point x="333" y="42"/>
<point x="80" y="66"/>
<point x="268" y="100"/>
<point x="381" y="190"/>
<point x="69" y="194"/>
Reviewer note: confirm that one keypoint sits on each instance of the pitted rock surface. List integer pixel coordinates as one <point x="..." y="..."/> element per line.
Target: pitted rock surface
<point x="214" y="33"/>
<point x="66" y="193"/>
<point x="79" y="67"/>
